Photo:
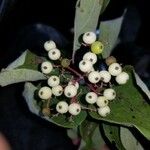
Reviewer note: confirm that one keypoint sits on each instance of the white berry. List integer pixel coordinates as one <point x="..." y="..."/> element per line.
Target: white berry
<point x="110" y="94"/>
<point x="115" y="69"/>
<point x="104" y="111"/>
<point x="105" y="76"/>
<point x="89" y="37"/>
<point x="48" y="45"/>
<point x="54" y="54"/>
<point x="45" y="93"/>
<point x="102" y="101"/>
<point x="70" y="91"/>
<point x="57" y="90"/>
<point x="74" y="109"/>
<point x="53" y="81"/>
<point x="122" y="78"/>
<point x="62" y="107"/>
<point x="85" y="65"/>
<point x="94" y="77"/>
<point x="46" y="67"/>
<point x="91" y="97"/>
<point x="76" y="84"/>
<point x="91" y="57"/>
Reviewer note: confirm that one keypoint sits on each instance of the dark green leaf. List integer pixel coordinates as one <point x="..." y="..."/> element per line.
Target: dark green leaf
<point x="91" y="136"/>
<point x="129" y="108"/>
<point x="60" y="120"/>
<point x="113" y="135"/>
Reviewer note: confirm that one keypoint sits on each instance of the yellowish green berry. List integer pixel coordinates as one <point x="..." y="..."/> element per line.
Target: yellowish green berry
<point x="65" y="62"/>
<point x="97" y="47"/>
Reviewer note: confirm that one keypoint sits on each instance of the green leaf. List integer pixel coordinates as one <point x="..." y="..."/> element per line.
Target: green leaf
<point x="105" y="4"/>
<point x="113" y="135"/>
<point x="109" y="31"/>
<point x="19" y="75"/>
<point x="86" y="19"/>
<point x="18" y="62"/>
<point x="142" y="85"/>
<point x="129" y="141"/>
<point x="91" y="136"/>
<point x="60" y="120"/>
<point x="32" y="61"/>
<point x="129" y="108"/>
<point x="72" y="133"/>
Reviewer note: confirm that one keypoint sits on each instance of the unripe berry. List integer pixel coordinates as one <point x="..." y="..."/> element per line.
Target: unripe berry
<point x="102" y="101"/>
<point x="110" y="60"/>
<point x="97" y="47"/>
<point x="122" y="78"/>
<point x="105" y="76"/>
<point x="46" y="111"/>
<point x="70" y="91"/>
<point x="54" y="54"/>
<point x="53" y="81"/>
<point x="57" y="90"/>
<point x="74" y="109"/>
<point x="115" y="69"/>
<point x="45" y="93"/>
<point x="48" y="45"/>
<point x="85" y="66"/>
<point x="62" y="107"/>
<point x="91" y="57"/>
<point x="110" y="94"/>
<point x="104" y="111"/>
<point x="76" y="84"/>
<point x="89" y="37"/>
<point x="46" y="67"/>
<point x="65" y="62"/>
<point x="91" y="97"/>
<point x="94" y="77"/>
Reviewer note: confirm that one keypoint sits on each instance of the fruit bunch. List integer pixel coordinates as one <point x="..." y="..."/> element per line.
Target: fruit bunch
<point x="98" y="82"/>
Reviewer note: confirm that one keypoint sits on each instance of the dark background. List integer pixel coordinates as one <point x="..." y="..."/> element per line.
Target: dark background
<point x="28" y="24"/>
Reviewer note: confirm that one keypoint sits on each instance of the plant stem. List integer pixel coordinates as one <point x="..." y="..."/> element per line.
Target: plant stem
<point x="83" y="107"/>
<point x="75" y="72"/>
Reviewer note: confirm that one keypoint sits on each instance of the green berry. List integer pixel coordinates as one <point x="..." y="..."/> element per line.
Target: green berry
<point x="65" y="62"/>
<point x="97" y="47"/>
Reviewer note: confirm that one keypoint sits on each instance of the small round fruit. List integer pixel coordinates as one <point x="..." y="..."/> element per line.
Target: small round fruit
<point x="115" y="69"/>
<point x="65" y="62"/>
<point x="46" y="67"/>
<point x="53" y="81"/>
<point x="110" y="60"/>
<point x="46" y="111"/>
<point x="91" y="57"/>
<point x="94" y="77"/>
<point x="70" y="91"/>
<point x="76" y="84"/>
<point x="62" y="107"/>
<point x="102" y="101"/>
<point x="110" y="94"/>
<point x="45" y="93"/>
<point x="74" y="109"/>
<point x="57" y="90"/>
<point x="89" y="37"/>
<point x="91" y="97"/>
<point x="104" y="111"/>
<point x="54" y="54"/>
<point x="97" y="47"/>
<point x="85" y="65"/>
<point x="105" y="76"/>
<point x="48" y="45"/>
<point x="122" y="78"/>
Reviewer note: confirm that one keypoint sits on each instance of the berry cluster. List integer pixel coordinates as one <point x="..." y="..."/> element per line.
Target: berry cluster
<point x="98" y="82"/>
